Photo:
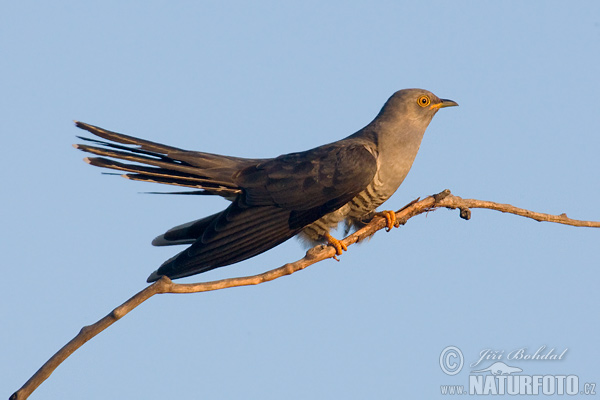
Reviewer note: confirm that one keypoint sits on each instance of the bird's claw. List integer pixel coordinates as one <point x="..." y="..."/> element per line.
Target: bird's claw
<point x="337" y="244"/>
<point x="390" y="219"/>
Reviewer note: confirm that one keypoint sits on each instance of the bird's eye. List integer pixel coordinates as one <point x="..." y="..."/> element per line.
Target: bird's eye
<point x="424" y="101"/>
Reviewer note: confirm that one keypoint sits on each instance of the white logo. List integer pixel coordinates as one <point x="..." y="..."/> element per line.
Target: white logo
<point x="500" y="378"/>
<point x="448" y="365"/>
<point x="499" y="368"/>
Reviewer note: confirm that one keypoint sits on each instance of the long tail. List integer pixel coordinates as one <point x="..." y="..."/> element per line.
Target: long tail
<point x="235" y="234"/>
<point x="154" y="162"/>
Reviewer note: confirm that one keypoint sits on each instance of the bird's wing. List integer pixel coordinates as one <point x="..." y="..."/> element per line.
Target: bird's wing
<point x="321" y="177"/>
<point x="279" y="198"/>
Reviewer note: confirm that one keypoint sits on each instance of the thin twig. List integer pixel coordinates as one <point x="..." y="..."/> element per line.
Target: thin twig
<point x="318" y="253"/>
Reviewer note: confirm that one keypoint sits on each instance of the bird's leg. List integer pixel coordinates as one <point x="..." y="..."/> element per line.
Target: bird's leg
<point x="338" y="244"/>
<point x="390" y="219"/>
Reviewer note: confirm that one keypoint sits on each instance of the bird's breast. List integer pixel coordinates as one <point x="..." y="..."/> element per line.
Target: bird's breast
<point x="357" y="209"/>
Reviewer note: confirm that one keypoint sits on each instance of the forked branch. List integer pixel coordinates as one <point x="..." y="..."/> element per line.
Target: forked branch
<point x="164" y="285"/>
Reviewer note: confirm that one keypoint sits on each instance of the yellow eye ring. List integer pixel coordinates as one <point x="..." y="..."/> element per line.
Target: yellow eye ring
<point x="424" y="101"/>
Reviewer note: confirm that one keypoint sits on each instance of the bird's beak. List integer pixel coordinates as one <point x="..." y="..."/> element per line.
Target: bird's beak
<point x="444" y="103"/>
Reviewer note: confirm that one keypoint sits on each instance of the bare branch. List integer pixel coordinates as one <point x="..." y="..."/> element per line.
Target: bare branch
<point x="318" y="253"/>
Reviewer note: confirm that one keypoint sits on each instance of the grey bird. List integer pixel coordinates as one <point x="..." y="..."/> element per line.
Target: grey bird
<point x="274" y="199"/>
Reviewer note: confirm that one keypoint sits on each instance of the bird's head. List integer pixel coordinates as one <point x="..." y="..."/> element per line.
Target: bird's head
<point x="414" y="105"/>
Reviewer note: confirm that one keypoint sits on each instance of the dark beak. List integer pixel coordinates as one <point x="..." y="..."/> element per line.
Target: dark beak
<point x="443" y="103"/>
<point x="448" y="103"/>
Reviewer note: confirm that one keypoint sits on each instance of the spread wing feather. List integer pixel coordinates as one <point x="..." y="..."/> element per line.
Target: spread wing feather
<point x="267" y="214"/>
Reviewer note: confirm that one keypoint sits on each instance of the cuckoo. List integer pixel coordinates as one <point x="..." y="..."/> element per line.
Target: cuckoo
<point x="273" y="199"/>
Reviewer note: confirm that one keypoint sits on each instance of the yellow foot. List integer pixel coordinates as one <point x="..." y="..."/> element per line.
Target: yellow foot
<point x="339" y="245"/>
<point x="390" y="219"/>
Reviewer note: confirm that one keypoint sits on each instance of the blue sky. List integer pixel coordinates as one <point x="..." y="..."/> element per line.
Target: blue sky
<point x="260" y="79"/>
